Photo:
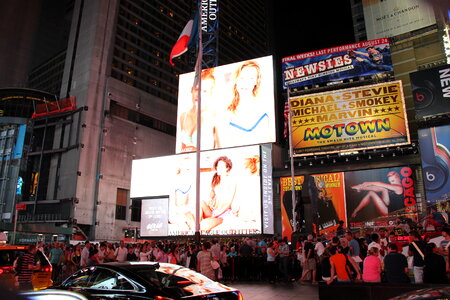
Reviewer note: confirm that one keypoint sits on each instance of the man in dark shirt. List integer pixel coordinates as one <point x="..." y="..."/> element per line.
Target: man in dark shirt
<point x="417" y="249"/>
<point x="24" y="268"/>
<point x="395" y="265"/>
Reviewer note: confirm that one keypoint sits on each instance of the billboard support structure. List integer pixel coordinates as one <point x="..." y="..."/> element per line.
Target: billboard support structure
<point x="291" y="158"/>
<point x="198" y="81"/>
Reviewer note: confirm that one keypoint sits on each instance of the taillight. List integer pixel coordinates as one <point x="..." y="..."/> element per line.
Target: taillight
<point x="47" y="269"/>
<point x="162" y="298"/>
<point x="5" y="269"/>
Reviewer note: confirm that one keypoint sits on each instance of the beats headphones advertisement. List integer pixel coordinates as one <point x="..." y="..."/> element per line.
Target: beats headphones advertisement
<point x="431" y="91"/>
<point x="434" y="150"/>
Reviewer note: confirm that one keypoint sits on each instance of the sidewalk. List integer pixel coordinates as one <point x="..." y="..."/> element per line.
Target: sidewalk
<point x="285" y="291"/>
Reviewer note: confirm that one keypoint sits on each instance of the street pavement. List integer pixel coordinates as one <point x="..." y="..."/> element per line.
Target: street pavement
<point x="283" y="290"/>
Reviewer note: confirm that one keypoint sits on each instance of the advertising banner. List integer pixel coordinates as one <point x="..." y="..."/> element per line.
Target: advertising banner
<point x="230" y="190"/>
<point x="267" y="190"/>
<point x="431" y="91"/>
<point x="287" y="206"/>
<point x="376" y="197"/>
<point x="337" y="63"/>
<point x="154" y="217"/>
<point x="237" y="106"/>
<point x="394" y="17"/>
<point x="325" y="193"/>
<point x="371" y="116"/>
<point x="328" y="201"/>
<point x="434" y="150"/>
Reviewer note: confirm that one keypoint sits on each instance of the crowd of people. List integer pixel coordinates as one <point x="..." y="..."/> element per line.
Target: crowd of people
<point x="375" y="257"/>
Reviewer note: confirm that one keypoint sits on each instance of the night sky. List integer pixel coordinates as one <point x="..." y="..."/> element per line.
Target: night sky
<point x="302" y="26"/>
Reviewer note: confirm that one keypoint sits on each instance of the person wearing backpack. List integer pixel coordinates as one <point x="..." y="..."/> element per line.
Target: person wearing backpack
<point x="417" y="250"/>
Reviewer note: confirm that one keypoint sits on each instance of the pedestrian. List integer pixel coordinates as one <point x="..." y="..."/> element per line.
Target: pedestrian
<point x="309" y="265"/>
<point x="24" y="266"/>
<point x="283" y="254"/>
<point x="395" y="265"/>
<point x="272" y="254"/>
<point x="84" y="261"/>
<point x="121" y="252"/>
<point x="372" y="266"/>
<point x="204" y="258"/>
<point x="339" y="267"/>
<point x="417" y="250"/>
<point x="56" y="258"/>
<point x="131" y="255"/>
<point x="435" y="268"/>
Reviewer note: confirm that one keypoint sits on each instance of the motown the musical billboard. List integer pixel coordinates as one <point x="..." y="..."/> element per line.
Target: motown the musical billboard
<point x="371" y="116"/>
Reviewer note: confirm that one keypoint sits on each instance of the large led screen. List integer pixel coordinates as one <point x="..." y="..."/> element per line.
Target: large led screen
<point x="435" y="153"/>
<point x="431" y="91"/>
<point x="337" y="63"/>
<point x="385" y="19"/>
<point x="237" y="106"/>
<point x="230" y="191"/>
<point x="370" y="116"/>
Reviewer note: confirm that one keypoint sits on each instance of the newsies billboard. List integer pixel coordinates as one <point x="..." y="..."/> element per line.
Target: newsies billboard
<point x="337" y="63"/>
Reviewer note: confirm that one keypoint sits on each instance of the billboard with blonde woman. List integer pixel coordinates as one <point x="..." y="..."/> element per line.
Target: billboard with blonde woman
<point x="237" y="106"/>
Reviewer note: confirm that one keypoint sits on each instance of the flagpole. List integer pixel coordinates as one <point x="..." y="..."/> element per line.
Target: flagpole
<point x="198" y="81"/>
<point x="291" y="157"/>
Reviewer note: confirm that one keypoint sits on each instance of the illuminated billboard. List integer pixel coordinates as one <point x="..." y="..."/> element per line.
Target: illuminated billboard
<point x="431" y="91"/>
<point x="376" y="197"/>
<point x="435" y="153"/>
<point x="394" y="17"/>
<point x="370" y="116"/>
<point x="237" y="106"/>
<point x="325" y="193"/>
<point x="337" y="63"/>
<point x="232" y="198"/>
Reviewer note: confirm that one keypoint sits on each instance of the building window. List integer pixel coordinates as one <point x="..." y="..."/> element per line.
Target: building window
<point x="136" y="210"/>
<point x="121" y="204"/>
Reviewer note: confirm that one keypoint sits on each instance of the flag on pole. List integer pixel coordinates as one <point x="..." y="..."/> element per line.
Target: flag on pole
<point x="286" y="119"/>
<point x="187" y="39"/>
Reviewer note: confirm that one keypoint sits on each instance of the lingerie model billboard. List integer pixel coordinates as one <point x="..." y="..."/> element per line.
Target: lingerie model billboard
<point x="232" y="198"/>
<point x="377" y="196"/>
<point x="237" y="106"/>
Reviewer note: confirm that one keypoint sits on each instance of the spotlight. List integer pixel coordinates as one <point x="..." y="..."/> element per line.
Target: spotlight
<point x="393" y="154"/>
<point x="357" y="158"/>
<point x="346" y="159"/>
<point x="370" y="156"/>
<point x="334" y="161"/>
<point x="299" y="164"/>
<point x="382" y="155"/>
<point x="285" y="166"/>
<point x="310" y="163"/>
<point x="321" y="162"/>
